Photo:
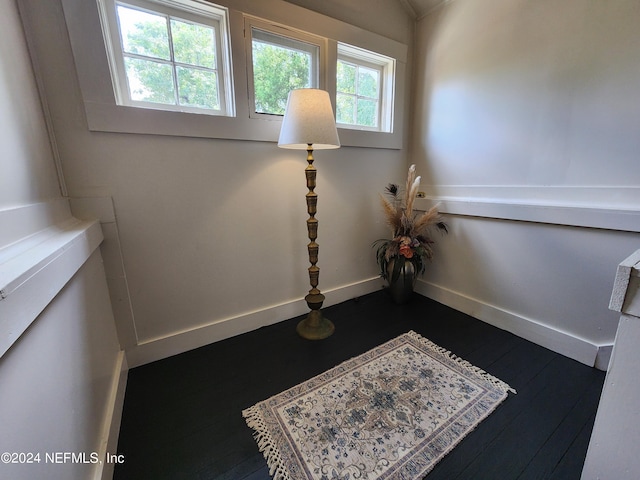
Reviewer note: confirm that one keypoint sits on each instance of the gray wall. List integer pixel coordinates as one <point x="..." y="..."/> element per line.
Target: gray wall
<point x="526" y="128"/>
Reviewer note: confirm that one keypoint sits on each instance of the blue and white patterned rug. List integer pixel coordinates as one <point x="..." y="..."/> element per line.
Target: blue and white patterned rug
<point x="390" y="413"/>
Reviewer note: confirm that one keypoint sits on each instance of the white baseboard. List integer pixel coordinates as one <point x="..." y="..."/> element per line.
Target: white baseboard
<point x="112" y="418"/>
<point x="558" y="341"/>
<point x="182" y="341"/>
<point x="603" y="357"/>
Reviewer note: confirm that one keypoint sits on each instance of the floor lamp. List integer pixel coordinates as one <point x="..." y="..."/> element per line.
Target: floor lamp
<point x="309" y="123"/>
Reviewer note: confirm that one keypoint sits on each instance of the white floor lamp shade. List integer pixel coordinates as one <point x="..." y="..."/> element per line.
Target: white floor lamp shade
<point x="309" y="119"/>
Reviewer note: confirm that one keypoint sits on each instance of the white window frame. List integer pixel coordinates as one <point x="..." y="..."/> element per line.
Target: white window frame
<point x="191" y="11"/>
<point x="103" y="114"/>
<point x="386" y="66"/>
<point x="313" y="41"/>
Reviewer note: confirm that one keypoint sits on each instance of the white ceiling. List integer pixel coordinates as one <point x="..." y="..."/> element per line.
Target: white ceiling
<point x="419" y="8"/>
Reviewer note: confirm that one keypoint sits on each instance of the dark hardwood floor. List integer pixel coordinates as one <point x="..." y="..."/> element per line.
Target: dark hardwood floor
<point x="182" y="416"/>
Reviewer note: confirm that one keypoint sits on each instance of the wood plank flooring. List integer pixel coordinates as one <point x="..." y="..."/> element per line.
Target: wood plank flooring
<point x="182" y="415"/>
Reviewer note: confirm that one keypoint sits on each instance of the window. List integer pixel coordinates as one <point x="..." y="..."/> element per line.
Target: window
<point x="281" y="61"/>
<point x="169" y="55"/>
<point x="364" y="89"/>
<point x="200" y="92"/>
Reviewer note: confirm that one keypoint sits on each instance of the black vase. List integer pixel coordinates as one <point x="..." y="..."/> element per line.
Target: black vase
<point x="401" y="288"/>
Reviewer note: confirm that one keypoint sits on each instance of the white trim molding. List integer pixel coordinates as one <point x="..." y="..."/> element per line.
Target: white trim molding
<point x="558" y="341"/>
<point x="39" y="254"/>
<point x="561" y="342"/>
<point x="609" y="208"/>
<point x="576" y="214"/>
<point x="102" y="208"/>
<point x="179" y="342"/>
<point x="112" y="418"/>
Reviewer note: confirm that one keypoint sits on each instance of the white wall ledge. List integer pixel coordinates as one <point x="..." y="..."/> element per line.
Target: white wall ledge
<point x="35" y="268"/>
<point x="575" y="215"/>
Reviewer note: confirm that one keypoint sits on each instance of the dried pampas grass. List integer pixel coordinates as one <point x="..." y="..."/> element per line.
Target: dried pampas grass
<point x="411" y="230"/>
<point x="399" y="213"/>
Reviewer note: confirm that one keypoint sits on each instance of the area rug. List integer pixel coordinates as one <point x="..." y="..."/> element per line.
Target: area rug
<point x="390" y="413"/>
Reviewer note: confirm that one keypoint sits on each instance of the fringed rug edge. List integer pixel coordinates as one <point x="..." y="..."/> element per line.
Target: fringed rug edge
<point x="267" y="445"/>
<point x="461" y="362"/>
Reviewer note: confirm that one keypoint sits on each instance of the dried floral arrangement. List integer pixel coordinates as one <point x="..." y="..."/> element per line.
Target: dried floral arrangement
<point x="411" y="230"/>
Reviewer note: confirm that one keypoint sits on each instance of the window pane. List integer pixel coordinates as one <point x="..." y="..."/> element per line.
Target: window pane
<point x="198" y="88"/>
<point x="346" y="78"/>
<point x="368" y="82"/>
<point x="345" y="108"/>
<point x="367" y="113"/>
<point x="150" y="81"/>
<point x="193" y="44"/>
<point x="144" y="33"/>
<point x="278" y="68"/>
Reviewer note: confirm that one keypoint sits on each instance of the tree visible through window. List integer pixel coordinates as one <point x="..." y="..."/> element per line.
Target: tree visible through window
<point x="364" y="89"/>
<point x="358" y="94"/>
<point x="175" y="55"/>
<point x="168" y="60"/>
<point x="280" y="64"/>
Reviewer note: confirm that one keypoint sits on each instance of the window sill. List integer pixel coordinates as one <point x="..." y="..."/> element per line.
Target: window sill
<point x="104" y="117"/>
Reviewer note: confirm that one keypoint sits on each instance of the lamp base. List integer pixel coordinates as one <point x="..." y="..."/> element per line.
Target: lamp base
<point x="315" y="326"/>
